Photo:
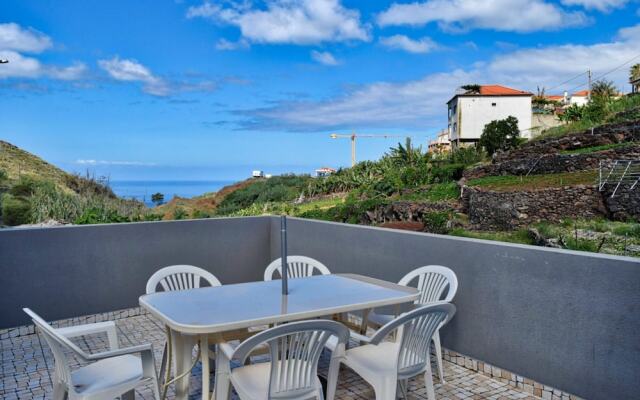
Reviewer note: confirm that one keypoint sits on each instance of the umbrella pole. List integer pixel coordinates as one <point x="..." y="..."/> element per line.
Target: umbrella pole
<point x="283" y="254"/>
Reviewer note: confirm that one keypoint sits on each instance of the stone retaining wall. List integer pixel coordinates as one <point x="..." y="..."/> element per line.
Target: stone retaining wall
<point x="404" y="211"/>
<point x="625" y="205"/>
<point x="600" y="136"/>
<point x="511" y="210"/>
<point x="554" y="163"/>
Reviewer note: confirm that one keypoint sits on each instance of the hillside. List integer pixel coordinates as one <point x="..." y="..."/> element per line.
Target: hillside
<point x="35" y="191"/>
<point x="16" y="162"/>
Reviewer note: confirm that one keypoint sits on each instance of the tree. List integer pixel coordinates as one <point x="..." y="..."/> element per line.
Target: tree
<point x="157" y="198"/>
<point x="500" y="135"/>
<point x="603" y="89"/>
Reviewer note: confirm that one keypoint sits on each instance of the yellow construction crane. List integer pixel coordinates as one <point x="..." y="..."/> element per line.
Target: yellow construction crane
<point x="354" y="136"/>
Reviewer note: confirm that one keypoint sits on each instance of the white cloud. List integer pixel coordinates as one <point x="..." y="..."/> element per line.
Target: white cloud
<point x="324" y="57"/>
<point x="501" y="15"/>
<point x="402" y="42"/>
<point x="600" y="5"/>
<point x="14" y="37"/>
<point x="130" y="70"/>
<point x="15" y="41"/>
<point x="120" y="163"/>
<point x="420" y="104"/>
<point x="285" y="21"/>
<point x="224" y="44"/>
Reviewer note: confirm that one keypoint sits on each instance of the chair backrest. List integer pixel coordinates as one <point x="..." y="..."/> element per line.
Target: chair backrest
<point x="295" y="349"/>
<point x="180" y="277"/>
<point x="298" y="267"/>
<point x="432" y="282"/>
<point x="418" y="327"/>
<point x="57" y="343"/>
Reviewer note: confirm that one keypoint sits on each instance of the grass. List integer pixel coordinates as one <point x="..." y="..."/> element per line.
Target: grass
<point x="520" y="236"/>
<point x="513" y="182"/>
<point x="616" y="107"/>
<point x="595" y="149"/>
<point x="436" y="192"/>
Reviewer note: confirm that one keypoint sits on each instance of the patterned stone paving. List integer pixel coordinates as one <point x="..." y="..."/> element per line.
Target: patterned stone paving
<point x="26" y="365"/>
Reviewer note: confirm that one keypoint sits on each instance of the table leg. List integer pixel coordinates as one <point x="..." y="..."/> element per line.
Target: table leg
<point x="183" y="349"/>
<point x="223" y="371"/>
<point x="204" y="359"/>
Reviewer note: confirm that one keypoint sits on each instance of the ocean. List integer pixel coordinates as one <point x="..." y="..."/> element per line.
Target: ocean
<point x="142" y="190"/>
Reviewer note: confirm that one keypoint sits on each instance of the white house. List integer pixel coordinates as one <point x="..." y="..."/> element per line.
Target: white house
<point x="471" y="110"/>
<point x="441" y="143"/>
<point x="579" y="98"/>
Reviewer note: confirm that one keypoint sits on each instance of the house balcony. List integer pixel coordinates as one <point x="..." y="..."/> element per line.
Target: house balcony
<point x="531" y="322"/>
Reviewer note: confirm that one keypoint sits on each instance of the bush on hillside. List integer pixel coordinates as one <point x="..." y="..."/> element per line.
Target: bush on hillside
<point x="15" y="210"/>
<point x="500" y="134"/>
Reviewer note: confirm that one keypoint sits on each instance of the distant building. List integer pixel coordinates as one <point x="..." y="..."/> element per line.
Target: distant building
<point x="324" y="171"/>
<point x="580" y="98"/>
<point x="635" y="85"/>
<point x="441" y="144"/>
<point x="471" y="110"/>
<point x="257" y="173"/>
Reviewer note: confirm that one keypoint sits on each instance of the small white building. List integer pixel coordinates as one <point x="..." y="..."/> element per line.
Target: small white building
<point x="471" y="110"/>
<point x="441" y="144"/>
<point x="324" y="171"/>
<point x="580" y="98"/>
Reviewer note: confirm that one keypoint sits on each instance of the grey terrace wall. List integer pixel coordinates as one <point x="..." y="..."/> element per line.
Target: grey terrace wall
<point x="568" y="319"/>
<point x="71" y="271"/>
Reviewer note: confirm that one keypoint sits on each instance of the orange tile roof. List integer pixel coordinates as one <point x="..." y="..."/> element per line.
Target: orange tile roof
<point x="554" y="97"/>
<point x="582" y="93"/>
<point x="499" y="90"/>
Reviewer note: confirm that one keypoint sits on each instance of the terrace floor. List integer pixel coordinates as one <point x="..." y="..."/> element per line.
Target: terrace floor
<point x="25" y="366"/>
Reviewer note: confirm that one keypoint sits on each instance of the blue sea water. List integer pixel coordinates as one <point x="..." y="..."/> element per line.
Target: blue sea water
<point x="142" y="190"/>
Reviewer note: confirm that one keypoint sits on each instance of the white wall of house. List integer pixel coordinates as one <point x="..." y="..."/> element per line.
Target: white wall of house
<point x="469" y="114"/>
<point x="579" y="100"/>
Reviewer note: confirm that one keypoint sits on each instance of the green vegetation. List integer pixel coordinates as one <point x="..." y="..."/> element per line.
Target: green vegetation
<point x="283" y="188"/>
<point x="521" y="236"/>
<point x="501" y="134"/>
<point x="599" y="112"/>
<point x="512" y="182"/>
<point x="595" y="149"/>
<point x="594" y="235"/>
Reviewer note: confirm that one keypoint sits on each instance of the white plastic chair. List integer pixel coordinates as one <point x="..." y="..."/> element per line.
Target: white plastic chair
<point x="387" y="364"/>
<point x="298" y="267"/>
<point x="292" y="372"/>
<point x="112" y="373"/>
<point x="432" y="281"/>
<point x="180" y="277"/>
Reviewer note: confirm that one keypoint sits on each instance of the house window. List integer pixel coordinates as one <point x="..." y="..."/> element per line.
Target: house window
<point x="493" y="104"/>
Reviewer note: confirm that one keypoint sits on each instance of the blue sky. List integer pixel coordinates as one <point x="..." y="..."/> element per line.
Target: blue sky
<point x="210" y="90"/>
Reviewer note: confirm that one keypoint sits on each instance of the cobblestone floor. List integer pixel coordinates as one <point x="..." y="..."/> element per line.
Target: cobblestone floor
<point x="26" y="364"/>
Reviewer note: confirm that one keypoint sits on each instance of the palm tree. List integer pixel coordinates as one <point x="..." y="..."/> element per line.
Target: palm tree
<point x="603" y="89"/>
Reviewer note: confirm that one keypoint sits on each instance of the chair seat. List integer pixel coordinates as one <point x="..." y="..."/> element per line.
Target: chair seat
<point x="252" y="381"/>
<point x="123" y="372"/>
<point x="380" y="359"/>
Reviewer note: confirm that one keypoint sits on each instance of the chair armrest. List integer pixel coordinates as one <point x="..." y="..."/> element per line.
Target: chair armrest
<point x="227" y="349"/>
<point x="147" y="347"/>
<point x="361" y="338"/>
<point x="108" y="327"/>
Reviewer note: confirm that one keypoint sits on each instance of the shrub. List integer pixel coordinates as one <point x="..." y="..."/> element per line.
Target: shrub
<point x="500" y="135"/>
<point x="447" y="173"/>
<point x="179" y="213"/>
<point x="97" y="215"/>
<point x="436" y="222"/>
<point x="15" y="210"/>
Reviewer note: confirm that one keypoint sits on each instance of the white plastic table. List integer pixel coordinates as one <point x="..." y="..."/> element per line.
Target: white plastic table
<point x="199" y="314"/>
